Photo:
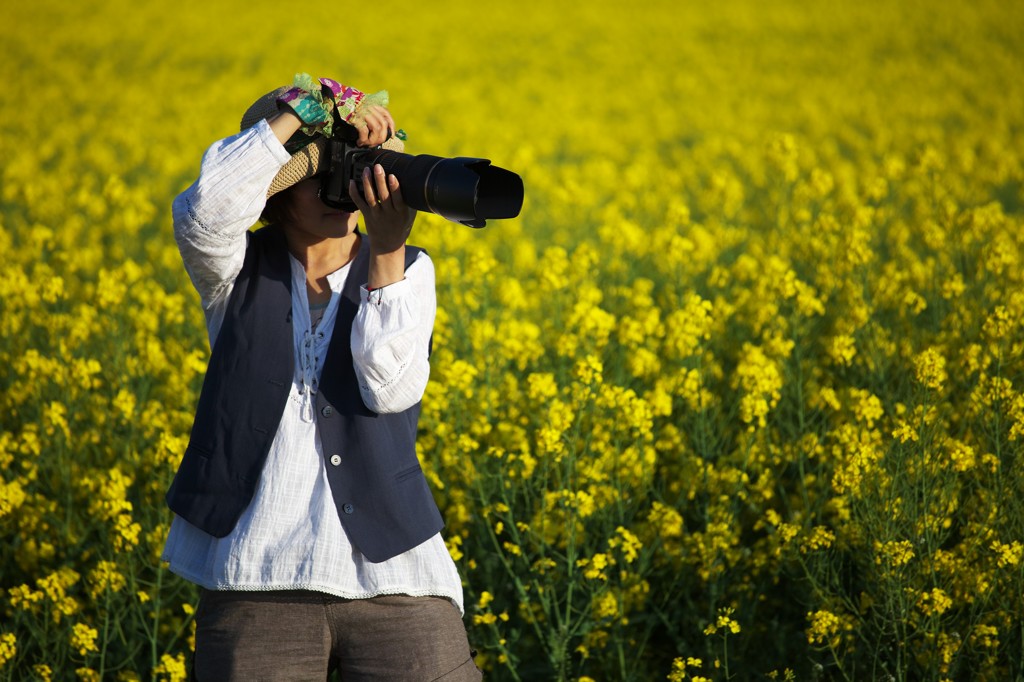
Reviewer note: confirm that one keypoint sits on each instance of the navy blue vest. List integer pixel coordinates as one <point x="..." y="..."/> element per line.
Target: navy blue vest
<point x="379" y="489"/>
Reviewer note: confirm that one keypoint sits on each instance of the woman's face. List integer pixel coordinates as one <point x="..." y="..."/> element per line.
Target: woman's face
<point x="307" y="214"/>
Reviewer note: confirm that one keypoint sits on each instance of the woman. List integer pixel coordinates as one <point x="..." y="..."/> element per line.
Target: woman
<point x="300" y="507"/>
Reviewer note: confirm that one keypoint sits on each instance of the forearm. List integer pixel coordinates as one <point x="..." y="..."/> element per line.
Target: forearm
<point x="284" y="125"/>
<point x="386" y="268"/>
<point x="388" y="223"/>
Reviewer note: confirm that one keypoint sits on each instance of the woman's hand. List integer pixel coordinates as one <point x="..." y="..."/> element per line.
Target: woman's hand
<point x="375" y="126"/>
<point x="388" y="221"/>
<point x="316" y="102"/>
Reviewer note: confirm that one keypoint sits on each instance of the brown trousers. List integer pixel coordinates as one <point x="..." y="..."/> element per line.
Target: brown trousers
<point x="297" y="635"/>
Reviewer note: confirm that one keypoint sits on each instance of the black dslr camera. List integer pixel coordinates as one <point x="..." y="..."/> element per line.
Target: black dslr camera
<point x="464" y="190"/>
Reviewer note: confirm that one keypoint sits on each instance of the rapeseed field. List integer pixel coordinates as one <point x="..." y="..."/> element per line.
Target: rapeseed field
<point x="739" y="396"/>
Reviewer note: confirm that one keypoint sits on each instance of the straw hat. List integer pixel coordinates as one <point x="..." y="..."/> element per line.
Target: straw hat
<point x="306" y="162"/>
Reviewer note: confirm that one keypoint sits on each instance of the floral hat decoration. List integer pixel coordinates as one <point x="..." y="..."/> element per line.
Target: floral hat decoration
<point x="315" y="102"/>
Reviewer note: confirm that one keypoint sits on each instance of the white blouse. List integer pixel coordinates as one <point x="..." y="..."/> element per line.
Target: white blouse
<point x="290" y="536"/>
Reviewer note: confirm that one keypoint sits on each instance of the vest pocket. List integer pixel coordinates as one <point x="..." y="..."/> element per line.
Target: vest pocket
<point x="407" y="473"/>
<point x="194" y="468"/>
<point x="196" y="451"/>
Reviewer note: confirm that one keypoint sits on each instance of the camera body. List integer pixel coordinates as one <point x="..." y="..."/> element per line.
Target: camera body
<point x="464" y="190"/>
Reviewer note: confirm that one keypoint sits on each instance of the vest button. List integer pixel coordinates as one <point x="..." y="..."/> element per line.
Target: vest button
<point x="335" y="460"/>
<point x="348" y="509"/>
<point x="327" y="411"/>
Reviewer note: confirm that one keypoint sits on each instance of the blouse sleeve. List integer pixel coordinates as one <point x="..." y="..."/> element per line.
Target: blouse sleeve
<point x="213" y="216"/>
<point x="391" y="339"/>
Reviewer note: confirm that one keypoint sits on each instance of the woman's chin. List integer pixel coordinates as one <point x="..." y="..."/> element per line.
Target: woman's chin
<point x="342" y="222"/>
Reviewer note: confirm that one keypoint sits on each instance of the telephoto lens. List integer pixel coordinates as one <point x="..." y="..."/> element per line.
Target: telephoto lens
<point x="464" y="190"/>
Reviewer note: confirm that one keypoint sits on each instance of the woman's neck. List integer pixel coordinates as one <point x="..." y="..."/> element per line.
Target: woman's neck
<point x="320" y="257"/>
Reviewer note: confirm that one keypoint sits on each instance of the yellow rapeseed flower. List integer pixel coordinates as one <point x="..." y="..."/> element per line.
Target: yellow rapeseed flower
<point x="894" y="553"/>
<point x="171" y="668"/>
<point x="934" y="602"/>
<point x="723" y="623"/>
<point x="628" y="543"/>
<point x="759" y="378"/>
<point x="824" y="628"/>
<point x="106" y="576"/>
<point x="930" y="369"/>
<point x="12" y="496"/>
<point x="8" y="647"/>
<point x="83" y="638"/>
<point x="1008" y="554"/>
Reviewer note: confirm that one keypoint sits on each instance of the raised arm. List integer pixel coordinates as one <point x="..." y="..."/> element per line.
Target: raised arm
<point x="212" y="216"/>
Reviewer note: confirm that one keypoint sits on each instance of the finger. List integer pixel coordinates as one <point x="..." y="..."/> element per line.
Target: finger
<point x="372" y="123"/>
<point x="383" y="191"/>
<point x="368" y="193"/>
<point x="371" y="130"/>
<point x="389" y="122"/>
<point x="364" y="136"/>
<point x="395" y="192"/>
<point x="357" y="198"/>
<point x="379" y="128"/>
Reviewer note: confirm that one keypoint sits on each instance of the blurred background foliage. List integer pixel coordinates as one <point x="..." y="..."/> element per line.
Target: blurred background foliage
<point x="737" y="396"/>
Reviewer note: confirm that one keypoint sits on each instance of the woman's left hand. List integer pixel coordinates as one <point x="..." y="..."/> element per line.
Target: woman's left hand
<point x="375" y="126"/>
<point x="387" y="217"/>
